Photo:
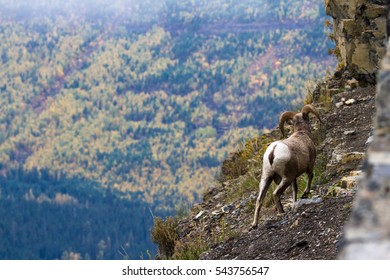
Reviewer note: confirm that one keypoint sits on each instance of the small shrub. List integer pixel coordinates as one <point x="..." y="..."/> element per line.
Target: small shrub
<point x="165" y="235"/>
<point x="239" y="163"/>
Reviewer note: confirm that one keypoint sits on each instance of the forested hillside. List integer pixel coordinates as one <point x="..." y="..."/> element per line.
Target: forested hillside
<point x="133" y="104"/>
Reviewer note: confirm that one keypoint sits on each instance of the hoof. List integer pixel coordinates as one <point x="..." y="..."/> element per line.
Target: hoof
<point x="254" y="226"/>
<point x="304" y="196"/>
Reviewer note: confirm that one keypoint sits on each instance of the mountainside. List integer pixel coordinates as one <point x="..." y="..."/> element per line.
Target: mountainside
<point x="137" y="103"/>
<point x="220" y="226"/>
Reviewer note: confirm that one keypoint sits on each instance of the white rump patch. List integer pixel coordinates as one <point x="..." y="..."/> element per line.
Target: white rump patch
<point x="282" y="155"/>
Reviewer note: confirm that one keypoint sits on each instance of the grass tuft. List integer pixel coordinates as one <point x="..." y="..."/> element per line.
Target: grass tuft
<point x="165" y="234"/>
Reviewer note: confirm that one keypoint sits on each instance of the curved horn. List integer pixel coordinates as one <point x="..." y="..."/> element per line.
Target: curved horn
<point x="283" y="118"/>
<point x="311" y="109"/>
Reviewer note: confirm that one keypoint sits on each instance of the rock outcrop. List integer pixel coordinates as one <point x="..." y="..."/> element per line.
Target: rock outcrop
<point x="360" y="31"/>
<point x="367" y="235"/>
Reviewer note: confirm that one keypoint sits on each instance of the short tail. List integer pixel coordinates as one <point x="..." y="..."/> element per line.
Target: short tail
<point x="271" y="156"/>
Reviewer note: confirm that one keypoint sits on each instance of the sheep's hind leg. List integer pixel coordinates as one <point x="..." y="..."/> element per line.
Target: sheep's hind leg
<point x="263" y="187"/>
<point x="278" y="192"/>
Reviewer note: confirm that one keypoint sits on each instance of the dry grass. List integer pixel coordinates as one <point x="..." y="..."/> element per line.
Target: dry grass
<point x="165" y="234"/>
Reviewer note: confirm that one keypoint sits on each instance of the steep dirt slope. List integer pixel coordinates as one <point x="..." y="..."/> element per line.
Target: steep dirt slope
<point x="220" y="225"/>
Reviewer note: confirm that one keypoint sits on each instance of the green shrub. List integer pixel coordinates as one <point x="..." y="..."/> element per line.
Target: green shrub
<point x="165" y="234"/>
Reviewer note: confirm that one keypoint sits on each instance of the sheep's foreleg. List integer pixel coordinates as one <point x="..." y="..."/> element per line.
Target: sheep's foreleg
<point x="295" y="190"/>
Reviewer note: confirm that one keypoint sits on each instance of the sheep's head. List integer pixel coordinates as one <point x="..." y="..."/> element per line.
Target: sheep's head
<point x="300" y="119"/>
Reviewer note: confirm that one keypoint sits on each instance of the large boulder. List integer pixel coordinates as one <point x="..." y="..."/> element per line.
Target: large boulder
<point x="360" y="31"/>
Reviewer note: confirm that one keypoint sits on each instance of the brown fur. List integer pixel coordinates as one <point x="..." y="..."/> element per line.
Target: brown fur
<point x="300" y="144"/>
<point x="303" y="151"/>
<point x="272" y="155"/>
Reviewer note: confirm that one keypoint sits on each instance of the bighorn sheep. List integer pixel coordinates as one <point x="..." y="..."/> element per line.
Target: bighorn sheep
<point x="285" y="160"/>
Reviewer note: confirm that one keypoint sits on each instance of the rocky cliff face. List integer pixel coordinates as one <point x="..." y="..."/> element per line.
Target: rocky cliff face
<point x="367" y="235"/>
<point x="360" y="30"/>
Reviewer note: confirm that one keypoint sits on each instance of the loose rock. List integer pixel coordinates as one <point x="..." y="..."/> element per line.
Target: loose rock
<point x="349" y="132"/>
<point x="301" y="202"/>
<point x="351" y="181"/>
<point x="339" y="104"/>
<point x="200" y="215"/>
<point x="350" y="101"/>
<point x="369" y="140"/>
<point x="352" y="157"/>
<point x="216" y="214"/>
<point x="227" y="208"/>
